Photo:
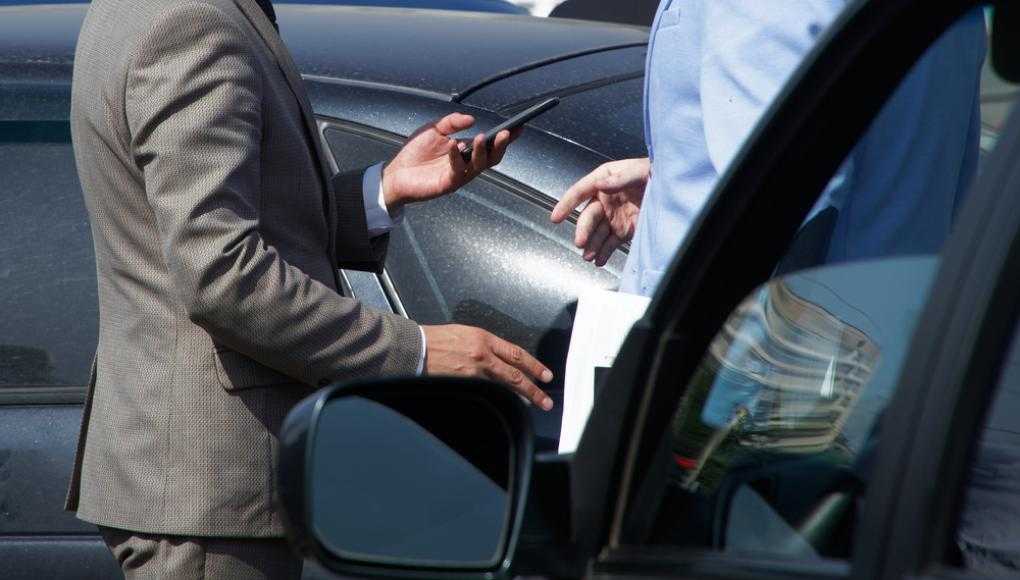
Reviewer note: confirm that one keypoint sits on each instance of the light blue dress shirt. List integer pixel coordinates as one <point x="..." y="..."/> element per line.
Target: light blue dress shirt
<point x="713" y="68"/>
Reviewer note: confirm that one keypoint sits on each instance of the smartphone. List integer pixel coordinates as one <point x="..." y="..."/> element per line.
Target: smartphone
<point x="511" y="124"/>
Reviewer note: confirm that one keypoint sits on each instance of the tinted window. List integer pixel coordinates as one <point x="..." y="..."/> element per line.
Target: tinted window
<point x="608" y="119"/>
<point x="354" y="150"/>
<point x="771" y="445"/>
<point x="48" y="305"/>
<point x="486" y="257"/>
<point x="775" y="435"/>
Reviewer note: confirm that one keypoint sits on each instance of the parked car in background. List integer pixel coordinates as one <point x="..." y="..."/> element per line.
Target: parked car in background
<point x="854" y="419"/>
<point x="637" y="12"/>
<point x="487" y="256"/>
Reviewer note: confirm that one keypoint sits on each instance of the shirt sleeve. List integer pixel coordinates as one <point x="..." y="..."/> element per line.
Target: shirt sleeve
<point x="378" y="218"/>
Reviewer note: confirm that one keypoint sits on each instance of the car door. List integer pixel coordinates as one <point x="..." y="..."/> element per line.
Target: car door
<point x="486" y="256"/>
<point x="48" y="317"/>
<point x="759" y="421"/>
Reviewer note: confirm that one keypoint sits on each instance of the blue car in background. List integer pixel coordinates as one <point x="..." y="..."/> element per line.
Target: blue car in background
<point x="500" y="6"/>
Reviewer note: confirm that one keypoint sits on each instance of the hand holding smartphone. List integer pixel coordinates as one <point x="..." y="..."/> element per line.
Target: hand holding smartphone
<point x="511" y="124"/>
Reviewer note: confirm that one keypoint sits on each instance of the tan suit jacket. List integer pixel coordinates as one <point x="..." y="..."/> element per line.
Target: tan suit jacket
<point x="218" y="233"/>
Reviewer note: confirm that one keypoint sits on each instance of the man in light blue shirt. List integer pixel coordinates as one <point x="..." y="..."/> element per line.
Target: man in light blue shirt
<point x="713" y="68"/>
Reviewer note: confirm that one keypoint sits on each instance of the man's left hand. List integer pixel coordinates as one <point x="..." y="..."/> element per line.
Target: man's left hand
<point x="430" y="163"/>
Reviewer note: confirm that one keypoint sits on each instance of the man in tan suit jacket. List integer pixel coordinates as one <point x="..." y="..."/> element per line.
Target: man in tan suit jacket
<point x="218" y="233"/>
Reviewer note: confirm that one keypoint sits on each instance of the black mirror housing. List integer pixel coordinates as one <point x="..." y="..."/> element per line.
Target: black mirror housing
<point x="467" y="419"/>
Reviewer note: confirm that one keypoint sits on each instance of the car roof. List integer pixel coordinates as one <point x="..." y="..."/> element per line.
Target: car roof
<point x="495" y="62"/>
<point x="445" y="52"/>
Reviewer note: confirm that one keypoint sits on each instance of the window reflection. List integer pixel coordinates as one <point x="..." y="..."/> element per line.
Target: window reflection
<point x="781" y="376"/>
<point x="771" y="445"/>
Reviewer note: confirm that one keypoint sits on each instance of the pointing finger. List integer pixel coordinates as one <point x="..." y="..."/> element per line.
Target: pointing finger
<point x="578" y="193"/>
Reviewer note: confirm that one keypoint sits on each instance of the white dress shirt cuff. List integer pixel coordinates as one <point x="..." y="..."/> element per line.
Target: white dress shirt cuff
<point x="421" y="361"/>
<point x="377" y="216"/>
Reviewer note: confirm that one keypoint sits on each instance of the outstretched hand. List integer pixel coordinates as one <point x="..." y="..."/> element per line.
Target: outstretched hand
<point x="613" y="193"/>
<point x="453" y="349"/>
<point x="430" y="164"/>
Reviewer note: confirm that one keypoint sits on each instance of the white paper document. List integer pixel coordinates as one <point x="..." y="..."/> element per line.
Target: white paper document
<point x="601" y="324"/>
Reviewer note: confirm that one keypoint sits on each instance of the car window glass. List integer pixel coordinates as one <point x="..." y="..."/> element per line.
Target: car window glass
<point x="48" y="304"/>
<point x="487" y="257"/>
<point x="771" y="445"/>
<point x="601" y="116"/>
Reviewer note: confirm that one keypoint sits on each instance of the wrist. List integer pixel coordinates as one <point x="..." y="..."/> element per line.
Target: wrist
<point x="390" y="195"/>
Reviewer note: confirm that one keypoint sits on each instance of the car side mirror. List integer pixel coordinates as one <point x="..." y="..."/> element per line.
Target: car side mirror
<point x="419" y="477"/>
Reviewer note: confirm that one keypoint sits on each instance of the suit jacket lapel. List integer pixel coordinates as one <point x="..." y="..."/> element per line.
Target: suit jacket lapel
<point x="272" y="39"/>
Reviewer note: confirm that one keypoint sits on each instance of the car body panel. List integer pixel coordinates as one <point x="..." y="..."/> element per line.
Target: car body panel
<point x="33" y="469"/>
<point x="36" y="557"/>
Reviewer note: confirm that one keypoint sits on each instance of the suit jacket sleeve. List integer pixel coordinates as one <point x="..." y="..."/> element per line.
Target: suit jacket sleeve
<point x="193" y="104"/>
<point x="354" y="249"/>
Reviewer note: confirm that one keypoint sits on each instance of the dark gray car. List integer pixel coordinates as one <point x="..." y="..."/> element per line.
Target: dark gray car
<point x="770" y="416"/>
<point x="373" y="75"/>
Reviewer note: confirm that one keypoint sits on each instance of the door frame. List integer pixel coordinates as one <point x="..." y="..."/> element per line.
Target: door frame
<point x="957" y="354"/>
<point x="733" y="247"/>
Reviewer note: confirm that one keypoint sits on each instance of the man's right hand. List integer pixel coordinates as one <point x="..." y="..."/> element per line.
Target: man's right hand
<point x="613" y="193"/>
<point x="453" y="349"/>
